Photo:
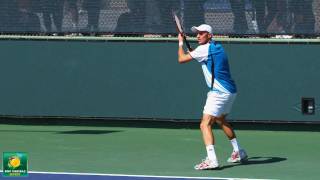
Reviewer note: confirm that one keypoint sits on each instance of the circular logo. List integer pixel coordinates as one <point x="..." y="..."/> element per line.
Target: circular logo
<point x="14" y="161"/>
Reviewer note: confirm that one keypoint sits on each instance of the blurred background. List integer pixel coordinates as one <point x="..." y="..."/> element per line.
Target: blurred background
<point x="227" y="17"/>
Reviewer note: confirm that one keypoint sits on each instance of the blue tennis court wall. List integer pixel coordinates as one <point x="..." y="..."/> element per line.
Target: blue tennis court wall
<point x="141" y="79"/>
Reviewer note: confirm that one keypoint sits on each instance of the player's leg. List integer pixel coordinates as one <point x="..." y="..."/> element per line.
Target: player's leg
<point x="238" y="154"/>
<point x="226" y="127"/>
<point x="206" y="124"/>
<point x="210" y="162"/>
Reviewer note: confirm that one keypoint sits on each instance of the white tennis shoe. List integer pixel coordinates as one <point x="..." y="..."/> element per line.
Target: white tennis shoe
<point x="238" y="156"/>
<point x="207" y="164"/>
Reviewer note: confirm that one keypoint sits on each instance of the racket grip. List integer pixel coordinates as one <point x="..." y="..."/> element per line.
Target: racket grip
<point x="187" y="43"/>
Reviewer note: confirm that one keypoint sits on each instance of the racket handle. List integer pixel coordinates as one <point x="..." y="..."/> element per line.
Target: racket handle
<point x="187" y="43"/>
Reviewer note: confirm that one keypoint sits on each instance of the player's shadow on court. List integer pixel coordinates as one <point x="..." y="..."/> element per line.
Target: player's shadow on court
<point x="64" y="132"/>
<point x="87" y="132"/>
<point x="256" y="160"/>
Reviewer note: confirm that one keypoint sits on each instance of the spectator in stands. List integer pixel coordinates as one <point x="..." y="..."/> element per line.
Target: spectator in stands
<point x="240" y="24"/>
<point x="193" y="13"/>
<point x="153" y="20"/>
<point x="166" y="7"/>
<point x="52" y="9"/>
<point x="271" y="15"/>
<point x="133" y="20"/>
<point x="72" y="8"/>
<point x="93" y="9"/>
<point x="142" y="19"/>
<point x="27" y="21"/>
<point x="303" y="16"/>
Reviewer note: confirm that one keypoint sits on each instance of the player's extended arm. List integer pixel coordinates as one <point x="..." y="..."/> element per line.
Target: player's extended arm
<point x="182" y="56"/>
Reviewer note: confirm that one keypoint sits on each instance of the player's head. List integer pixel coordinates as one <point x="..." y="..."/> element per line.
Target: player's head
<point x="204" y="33"/>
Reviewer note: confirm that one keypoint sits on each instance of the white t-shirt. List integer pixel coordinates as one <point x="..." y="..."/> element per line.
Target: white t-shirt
<point x="201" y="52"/>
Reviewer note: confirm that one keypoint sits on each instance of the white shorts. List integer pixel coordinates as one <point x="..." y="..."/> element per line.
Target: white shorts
<point x="218" y="103"/>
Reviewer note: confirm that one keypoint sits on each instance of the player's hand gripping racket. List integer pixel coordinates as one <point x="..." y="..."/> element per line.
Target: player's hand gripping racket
<point x="180" y="30"/>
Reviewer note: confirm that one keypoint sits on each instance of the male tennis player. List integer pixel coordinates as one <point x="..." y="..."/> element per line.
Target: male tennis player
<point x="220" y="97"/>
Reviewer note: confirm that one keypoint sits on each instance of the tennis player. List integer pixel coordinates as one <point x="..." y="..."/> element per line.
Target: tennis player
<point x="220" y="97"/>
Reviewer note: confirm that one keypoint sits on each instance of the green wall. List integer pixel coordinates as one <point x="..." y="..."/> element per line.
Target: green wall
<point x="143" y="80"/>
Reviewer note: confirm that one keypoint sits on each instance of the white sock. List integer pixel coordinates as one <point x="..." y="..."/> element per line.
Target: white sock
<point x="235" y="144"/>
<point x="211" y="153"/>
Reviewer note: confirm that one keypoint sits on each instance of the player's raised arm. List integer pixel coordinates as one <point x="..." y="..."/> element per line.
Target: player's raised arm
<point x="183" y="57"/>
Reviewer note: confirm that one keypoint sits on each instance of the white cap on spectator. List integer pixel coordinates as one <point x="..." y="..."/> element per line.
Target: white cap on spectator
<point x="202" y="27"/>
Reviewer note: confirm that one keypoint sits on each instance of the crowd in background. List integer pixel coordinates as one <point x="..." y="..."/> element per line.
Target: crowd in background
<point x="17" y="15"/>
<point x="154" y="16"/>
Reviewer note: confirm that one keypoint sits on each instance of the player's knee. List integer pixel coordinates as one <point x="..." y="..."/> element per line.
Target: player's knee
<point x="204" y="125"/>
<point x="207" y="121"/>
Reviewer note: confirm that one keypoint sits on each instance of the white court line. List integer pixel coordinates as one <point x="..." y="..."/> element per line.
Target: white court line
<point x="143" y="176"/>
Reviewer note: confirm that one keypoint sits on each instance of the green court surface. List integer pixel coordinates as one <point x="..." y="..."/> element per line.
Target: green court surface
<point x="280" y="151"/>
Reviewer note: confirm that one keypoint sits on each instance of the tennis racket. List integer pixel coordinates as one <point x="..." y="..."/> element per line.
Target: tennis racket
<point x="180" y="30"/>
